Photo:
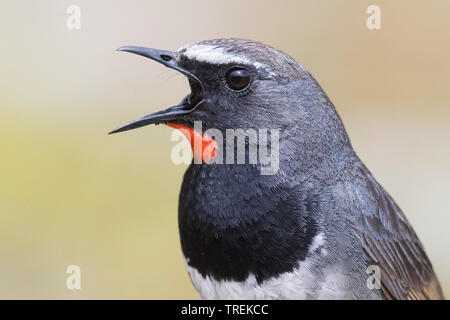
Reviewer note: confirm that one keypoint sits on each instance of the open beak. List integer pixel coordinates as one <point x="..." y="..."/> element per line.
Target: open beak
<point x="172" y="114"/>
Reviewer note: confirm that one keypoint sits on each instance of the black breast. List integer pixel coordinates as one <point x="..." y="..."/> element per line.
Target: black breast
<point x="231" y="226"/>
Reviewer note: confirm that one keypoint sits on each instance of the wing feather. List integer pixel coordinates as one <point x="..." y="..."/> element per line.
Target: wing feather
<point x="389" y="241"/>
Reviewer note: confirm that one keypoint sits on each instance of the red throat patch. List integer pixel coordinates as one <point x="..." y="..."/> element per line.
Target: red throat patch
<point x="203" y="147"/>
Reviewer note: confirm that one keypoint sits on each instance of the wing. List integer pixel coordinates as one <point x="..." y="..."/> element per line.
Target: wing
<point x="389" y="241"/>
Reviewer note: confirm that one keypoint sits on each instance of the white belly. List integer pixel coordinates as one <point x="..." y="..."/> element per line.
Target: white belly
<point x="312" y="279"/>
<point x="301" y="283"/>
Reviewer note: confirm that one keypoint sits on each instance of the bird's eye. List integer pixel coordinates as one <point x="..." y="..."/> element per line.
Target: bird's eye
<point x="238" y="78"/>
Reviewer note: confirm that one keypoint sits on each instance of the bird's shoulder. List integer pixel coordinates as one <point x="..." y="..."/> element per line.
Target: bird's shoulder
<point x="386" y="236"/>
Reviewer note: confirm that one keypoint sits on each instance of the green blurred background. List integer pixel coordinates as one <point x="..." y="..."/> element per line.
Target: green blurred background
<point x="71" y="194"/>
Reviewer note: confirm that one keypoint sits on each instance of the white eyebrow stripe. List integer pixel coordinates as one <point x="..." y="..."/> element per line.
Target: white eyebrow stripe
<point x="212" y="54"/>
<point x="184" y="47"/>
<point x="217" y="55"/>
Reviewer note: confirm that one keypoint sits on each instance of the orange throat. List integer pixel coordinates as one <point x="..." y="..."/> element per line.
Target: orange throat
<point x="203" y="147"/>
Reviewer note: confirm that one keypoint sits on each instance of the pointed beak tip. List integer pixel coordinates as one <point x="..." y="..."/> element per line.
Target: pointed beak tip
<point x="124" y="48"/>
<point x="117" y="130"/>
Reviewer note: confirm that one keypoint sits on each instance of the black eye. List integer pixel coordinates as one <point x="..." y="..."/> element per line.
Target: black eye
<point x="238" y="79"/>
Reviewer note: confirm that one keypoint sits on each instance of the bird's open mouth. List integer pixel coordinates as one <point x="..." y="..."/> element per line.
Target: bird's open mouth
<point x="173" y="114"/>
<point x="196" y="95"/>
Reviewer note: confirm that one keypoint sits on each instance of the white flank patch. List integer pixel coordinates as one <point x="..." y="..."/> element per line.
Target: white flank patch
<point x="317" y="242"/>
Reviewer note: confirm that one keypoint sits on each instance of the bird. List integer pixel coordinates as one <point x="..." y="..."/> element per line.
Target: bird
<point x="319" y="226"/>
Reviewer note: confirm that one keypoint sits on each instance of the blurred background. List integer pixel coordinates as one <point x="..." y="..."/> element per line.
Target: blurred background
<point x="72" y="195"/>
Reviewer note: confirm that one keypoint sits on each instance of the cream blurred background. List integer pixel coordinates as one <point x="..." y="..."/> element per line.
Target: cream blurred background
<point x="71" y="194"/>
